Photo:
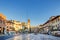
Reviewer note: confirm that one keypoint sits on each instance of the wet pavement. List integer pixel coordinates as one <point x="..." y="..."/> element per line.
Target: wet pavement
<point x="6" y="37"/>
<point x="30" y="37"/>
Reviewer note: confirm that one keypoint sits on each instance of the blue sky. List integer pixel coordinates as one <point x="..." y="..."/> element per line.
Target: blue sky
<point x="38" y="11"/>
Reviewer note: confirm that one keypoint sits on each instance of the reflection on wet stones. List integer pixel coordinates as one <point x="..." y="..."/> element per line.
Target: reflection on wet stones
<point x="34" y="37"/>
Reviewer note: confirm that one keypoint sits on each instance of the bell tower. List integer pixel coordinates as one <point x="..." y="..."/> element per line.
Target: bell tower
<point x="28" y="23"/>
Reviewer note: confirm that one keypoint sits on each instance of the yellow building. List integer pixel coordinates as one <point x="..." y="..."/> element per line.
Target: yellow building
<point x="5" y="25"/>
<point x="23" y="25"/>
<point x="26" y="25"/>
<point x="17" y="25"/>
<point x="9" y="26"/>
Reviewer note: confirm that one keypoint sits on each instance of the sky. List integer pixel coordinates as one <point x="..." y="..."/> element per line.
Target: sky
<point x="38" y="11"/>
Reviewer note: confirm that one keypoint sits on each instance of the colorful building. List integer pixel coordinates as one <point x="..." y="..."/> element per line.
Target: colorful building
<point x="2" y="23"/>
<point x="16" y="25"/>
<point x="6" y="26"/>
<point x="9" y="27"/>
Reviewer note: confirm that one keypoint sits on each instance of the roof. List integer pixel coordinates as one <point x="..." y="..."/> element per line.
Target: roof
<point x="8" y="21"/>
<point x="51" y="19"/>
<point x="4" y="17"/>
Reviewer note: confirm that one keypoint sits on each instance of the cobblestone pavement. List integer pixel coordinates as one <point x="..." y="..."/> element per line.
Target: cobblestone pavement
<point x="34" y="37"/>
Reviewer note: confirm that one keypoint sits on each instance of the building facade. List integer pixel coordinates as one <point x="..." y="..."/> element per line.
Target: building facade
<point x="2" y="23"/>
<point x="9" y="27"/>
<point x="6" y="26"/>
<point x="16" y="25"/>
<point x="53" y="24"/>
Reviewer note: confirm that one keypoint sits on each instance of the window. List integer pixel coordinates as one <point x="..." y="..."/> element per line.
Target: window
<point x="58" y="19"/>
<point x="55" y="28"/>
<point x="3" y="22"/>
<point x="0" y="21"/>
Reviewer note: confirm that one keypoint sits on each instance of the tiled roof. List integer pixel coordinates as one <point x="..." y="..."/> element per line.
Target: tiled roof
<point x="51" y="19"/>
